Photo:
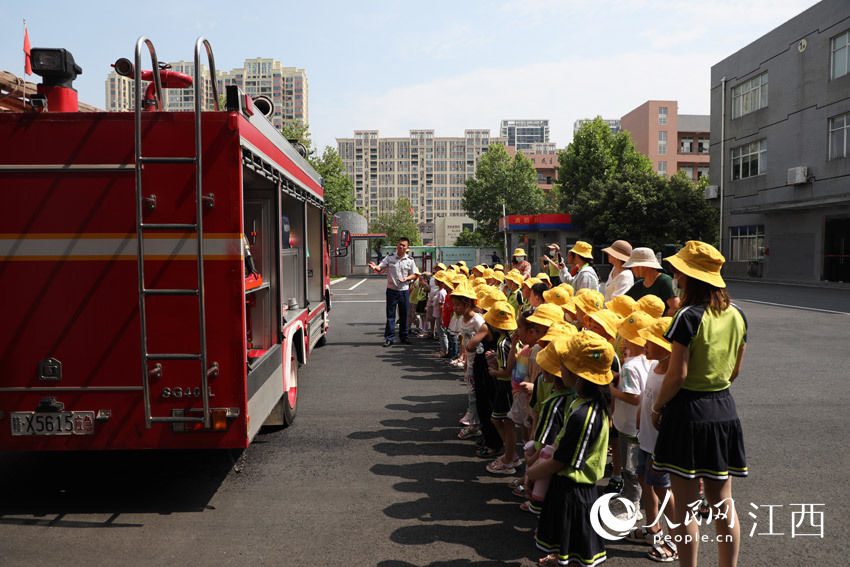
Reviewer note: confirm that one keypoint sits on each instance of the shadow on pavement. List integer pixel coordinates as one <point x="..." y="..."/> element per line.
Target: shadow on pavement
<point x="36" y="485"/>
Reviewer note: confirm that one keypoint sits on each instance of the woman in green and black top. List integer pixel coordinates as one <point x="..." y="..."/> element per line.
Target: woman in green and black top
<point x="699" y="433"/>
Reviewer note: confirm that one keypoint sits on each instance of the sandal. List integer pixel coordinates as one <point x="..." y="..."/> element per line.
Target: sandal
<point x="469" y="432"/>
<point x="500" y="467"/>
<point x="519" y="490"/>
<point x="548" y="561"/>
<point x="516" y="482"/>
<point x="641" y="535"/>
<point x="659" y="552"/>
<point x="487" y="453"/>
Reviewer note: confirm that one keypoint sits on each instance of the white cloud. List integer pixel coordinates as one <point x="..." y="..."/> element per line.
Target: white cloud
<point x="562" y="91"/>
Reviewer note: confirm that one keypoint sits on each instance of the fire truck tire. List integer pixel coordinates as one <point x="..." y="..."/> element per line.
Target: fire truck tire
<point x="290" y="396"/>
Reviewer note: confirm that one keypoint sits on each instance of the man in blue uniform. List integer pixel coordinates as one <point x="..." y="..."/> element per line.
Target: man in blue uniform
<point x="401" y="269"/>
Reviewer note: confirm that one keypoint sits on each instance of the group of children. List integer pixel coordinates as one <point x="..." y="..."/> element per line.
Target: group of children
<point x="560" y="366"/>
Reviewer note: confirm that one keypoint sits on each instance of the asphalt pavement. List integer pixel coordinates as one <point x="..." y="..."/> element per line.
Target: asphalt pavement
<point x="371" y="473"/>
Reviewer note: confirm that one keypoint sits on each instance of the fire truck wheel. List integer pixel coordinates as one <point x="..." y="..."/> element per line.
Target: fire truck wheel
<point x="290" y="396"/>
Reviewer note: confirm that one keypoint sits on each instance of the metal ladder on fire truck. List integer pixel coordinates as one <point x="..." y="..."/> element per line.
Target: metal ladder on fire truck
<point x="197" y="227"/>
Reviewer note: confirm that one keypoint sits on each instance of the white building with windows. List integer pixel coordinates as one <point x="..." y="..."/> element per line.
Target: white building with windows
<point x="783" y="185"/>
<point x="286" y="87"/>
<point x="429" y="171"/>
<point x="523" y="134"/>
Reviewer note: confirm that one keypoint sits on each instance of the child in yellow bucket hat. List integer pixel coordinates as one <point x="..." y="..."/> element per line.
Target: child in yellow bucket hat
<point x="622" y="305"/>
<point x="654" y="484"/>
<point x="543" y="277"/>
<point x="587" y="302"/>
<point x="501" y="320"/>
<point x="578" y="463"/>
<point x="605" y="323"/>
<point x="513" y="280"/>
<point x="626" y="393"/>
<point x="652" y="305"/>
<point x="469" y="323"/>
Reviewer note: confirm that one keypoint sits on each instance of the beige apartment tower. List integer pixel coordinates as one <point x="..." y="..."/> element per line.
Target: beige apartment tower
<point x="429" y="171"/>
<point x="286" y="87"/>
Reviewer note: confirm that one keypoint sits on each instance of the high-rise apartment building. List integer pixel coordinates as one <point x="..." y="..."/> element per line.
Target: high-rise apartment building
<point x="429" y="171"/>
<point x="523" y="133"/>
<point x="544" y="158"/>
<point x="613" y="124"/>
<point x="119" y="91"/>
<point x="672" y="141"/>
<point x="286" y="87"/>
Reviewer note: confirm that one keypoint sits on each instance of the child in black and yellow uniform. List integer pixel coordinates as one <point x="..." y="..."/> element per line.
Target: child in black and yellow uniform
<point x="564" y="529"/>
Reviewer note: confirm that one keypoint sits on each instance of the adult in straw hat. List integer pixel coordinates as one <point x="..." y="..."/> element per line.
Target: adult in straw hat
<point x="651" y="280"/>
<point x="520" y="263"/>
<point x="620" y="279"/>
<point x="699" y="433"/>
<point x="581" y="274"/>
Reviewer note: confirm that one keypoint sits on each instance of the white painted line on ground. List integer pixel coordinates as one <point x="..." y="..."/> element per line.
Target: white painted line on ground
<point x="342" y="279"/>
<point x="343" y="292"/>
<point x="361" y="301"/>
<point x="792" y="306"/>
<point x="355" y="285"/>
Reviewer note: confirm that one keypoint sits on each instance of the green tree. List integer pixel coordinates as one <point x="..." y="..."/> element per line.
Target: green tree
<point x="397" y="224"/>
<point x="299" y="133"/>
<point x="476" y="238"/>
<point x="501" y="180"/>
<point x="596" y="154"/>
<point x="339" y="189"/>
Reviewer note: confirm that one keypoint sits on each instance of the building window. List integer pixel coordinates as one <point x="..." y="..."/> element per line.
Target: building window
<point x="838" y="134"/>
<point x="662" y="143"/>
<point x="662" y="115"/>
<point x="746" y="243"/>
<point x="749" y="160"/>
<point x="686" y="145"/>
<point x="840" y="62"/>
<point x="662" y="168"/>
<point x="749" y="96"/>
<point x="702" y="145"/>
<point x="688" y="171"/>
<point x="702" y="172"/>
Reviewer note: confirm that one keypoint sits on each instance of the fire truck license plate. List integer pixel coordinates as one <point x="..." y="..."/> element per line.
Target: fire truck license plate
<point x="53" y="423"/>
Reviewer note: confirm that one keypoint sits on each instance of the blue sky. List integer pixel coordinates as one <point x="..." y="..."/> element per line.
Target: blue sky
<point x="446" y="65"/>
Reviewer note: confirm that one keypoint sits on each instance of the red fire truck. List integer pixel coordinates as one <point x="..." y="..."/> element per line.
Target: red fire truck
<point x="162" y="274"/>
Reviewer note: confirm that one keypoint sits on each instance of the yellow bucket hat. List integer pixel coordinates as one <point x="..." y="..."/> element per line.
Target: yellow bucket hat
<point x="560" y="330"/>
<point x="464" y="289"/>
<point x="547" y="314"/>
<point x="441" y="265"/>
<point x="530" y="282"/>
<point x="519" y="252"/>
<point x="549" y="359"/>
<point x="556" y="295"/>
<point x="492" y="297"/>
<point x="464" y="269"/>
<point x="608" y="320"/>
<point x="499" y="268"/>
<point x="498" y="276"/>
<point x="442" y="276"/>
<point x="501" y="316"/>
<point x="589" y="301"/>
<point x="651" y="305"/>
<point x="622" y="305"/>
<point x="568" y="288"/>
<point x="570" y="306"/>
<point x="461" y="263"/>
<point x="590" y="356"/>
<point x="631" y="326"/>
<point x="655" y="333"/>
<point x="582" y="249"/>
<point x="700" y="261"/>
<point x="544" y="278"/>
<point x="487" y="273"/>
<point x="514" y="277"/>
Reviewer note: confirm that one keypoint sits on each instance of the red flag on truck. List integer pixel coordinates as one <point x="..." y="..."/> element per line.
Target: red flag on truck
<point x="27" y="56"/>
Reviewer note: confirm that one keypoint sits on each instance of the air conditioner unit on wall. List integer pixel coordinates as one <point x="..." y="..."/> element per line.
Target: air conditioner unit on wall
<point x="798" y="175"/>
<point x="712" y="191"/>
